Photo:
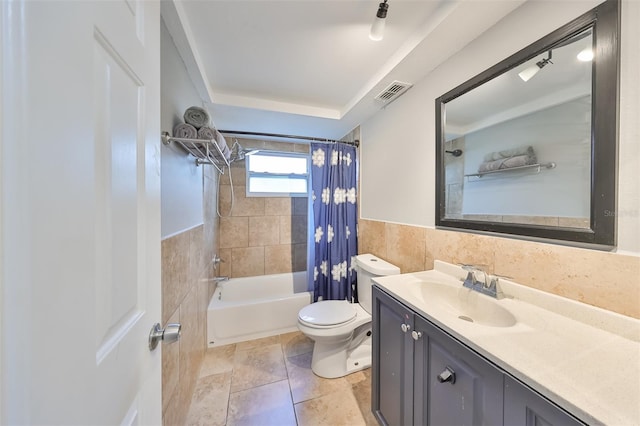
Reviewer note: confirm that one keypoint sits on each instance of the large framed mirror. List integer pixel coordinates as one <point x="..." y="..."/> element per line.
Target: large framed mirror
<point x="528" y="148"/>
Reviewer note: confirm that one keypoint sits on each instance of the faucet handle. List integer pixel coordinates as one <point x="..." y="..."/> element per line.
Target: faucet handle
<point x="216" y="261"/>
<point x="492" y="280"/>
<point x="471" y="271"/>
<point x="493" y="286"/>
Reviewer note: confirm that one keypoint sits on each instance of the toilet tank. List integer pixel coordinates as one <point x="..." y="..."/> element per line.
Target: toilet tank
<point x="370" y="266"/>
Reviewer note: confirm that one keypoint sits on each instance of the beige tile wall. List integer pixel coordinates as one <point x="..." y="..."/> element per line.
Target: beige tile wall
<point x="260" y="235"/>
<point x="186" y="289"/>
<point x="607" y="280"/>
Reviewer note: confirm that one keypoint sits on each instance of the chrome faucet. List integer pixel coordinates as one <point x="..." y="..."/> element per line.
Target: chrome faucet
<point x="216" y="262"/>
<point x="488" y="286"/>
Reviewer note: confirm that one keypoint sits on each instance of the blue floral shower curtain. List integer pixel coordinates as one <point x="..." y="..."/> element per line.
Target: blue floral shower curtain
<point x="334" y="239"/>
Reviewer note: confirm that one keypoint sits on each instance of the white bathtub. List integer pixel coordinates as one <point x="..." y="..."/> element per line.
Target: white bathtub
<point x="253" y="307"/>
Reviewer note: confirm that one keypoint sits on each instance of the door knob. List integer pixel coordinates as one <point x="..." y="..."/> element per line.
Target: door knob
<point x="448" y="375"/>
<point x="405" y="327"/>
<point x="170" y="334"/>
<point x="416" y="334"/>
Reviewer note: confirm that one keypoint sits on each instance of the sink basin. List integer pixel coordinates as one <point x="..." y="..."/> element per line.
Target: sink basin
<point x="463" y="303"/>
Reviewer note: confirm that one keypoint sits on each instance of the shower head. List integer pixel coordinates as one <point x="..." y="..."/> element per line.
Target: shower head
<point x="455" y="152"/>
<point x="238" y="153"/>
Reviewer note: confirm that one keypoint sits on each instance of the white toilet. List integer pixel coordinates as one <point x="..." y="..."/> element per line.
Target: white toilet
<point x="342" y="330"/>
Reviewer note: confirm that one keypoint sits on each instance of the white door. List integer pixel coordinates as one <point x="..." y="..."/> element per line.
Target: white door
<point x="80" y="211"/>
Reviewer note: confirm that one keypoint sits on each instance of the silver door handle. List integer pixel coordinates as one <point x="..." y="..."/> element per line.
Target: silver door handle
<point x="405" y="327"/>
<point x="170" y="334"/>
<point x="416" y="334"/>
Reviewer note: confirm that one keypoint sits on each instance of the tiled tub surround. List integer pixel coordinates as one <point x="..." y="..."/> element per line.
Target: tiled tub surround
<point x="182" y="301"/>
<point x="269" y="382"/>
<point x="606" y="280"/>
<point x="581" y="357"/>
<point x="263" y="235"/>
<point x="186" y="290"/>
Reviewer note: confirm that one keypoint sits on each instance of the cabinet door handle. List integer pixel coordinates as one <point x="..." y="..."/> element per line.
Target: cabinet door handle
<point x="416" y="334"/>
<point x="448" y="375"/>
<point x="405" y="327"/>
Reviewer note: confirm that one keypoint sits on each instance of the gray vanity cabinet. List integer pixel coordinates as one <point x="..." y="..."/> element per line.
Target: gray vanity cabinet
<point x="523" y="406"/>
<point x="423" y="376"/>
<point x="463" y="388"/>
<point x="392" y="373"/>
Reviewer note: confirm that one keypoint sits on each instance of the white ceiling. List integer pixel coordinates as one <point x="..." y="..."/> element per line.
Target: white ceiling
<point x="307" y="67"/>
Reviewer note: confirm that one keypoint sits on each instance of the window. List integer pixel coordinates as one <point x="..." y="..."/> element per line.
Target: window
<point x="277" y="174"/>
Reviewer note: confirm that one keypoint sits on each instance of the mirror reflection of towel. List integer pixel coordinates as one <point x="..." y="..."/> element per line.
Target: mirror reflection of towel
<point x="507" y="163"/>
<point x="508" y="153"/>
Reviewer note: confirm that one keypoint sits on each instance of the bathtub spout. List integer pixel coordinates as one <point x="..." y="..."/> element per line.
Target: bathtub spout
<point x="220" y="279"/>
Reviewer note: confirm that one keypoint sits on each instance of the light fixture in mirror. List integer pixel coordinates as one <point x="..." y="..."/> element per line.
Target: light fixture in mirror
<point x="538" y="133"/>
<point x="585" y="55"/>
<point x="532" y="70"/>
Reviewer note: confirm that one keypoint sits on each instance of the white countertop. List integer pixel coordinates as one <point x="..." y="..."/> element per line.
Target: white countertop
<point x="585" y="359"/>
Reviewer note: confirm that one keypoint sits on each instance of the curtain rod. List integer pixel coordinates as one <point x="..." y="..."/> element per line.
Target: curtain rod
<point x="355" y="143"/>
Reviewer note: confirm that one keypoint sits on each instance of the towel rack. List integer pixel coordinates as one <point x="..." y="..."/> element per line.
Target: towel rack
<point x="538" y="166"/>
<point x="206" y="151"/>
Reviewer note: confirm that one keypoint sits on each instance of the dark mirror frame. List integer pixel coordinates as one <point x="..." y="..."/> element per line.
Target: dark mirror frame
<point x="605" y="22"/>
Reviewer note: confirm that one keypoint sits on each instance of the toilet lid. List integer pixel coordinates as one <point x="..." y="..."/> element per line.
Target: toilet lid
<point x="327" y="312"/>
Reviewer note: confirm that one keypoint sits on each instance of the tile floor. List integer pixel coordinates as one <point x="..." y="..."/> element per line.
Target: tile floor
<point x="269" y="382"/>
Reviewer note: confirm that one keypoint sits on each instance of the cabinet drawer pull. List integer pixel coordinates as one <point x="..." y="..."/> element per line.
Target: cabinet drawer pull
<point x="416" y="335"/>
<point x="448" y="375"/>
<point x="405" y="327"/>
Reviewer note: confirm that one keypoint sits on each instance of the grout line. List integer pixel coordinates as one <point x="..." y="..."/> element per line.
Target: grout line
<point x="226" y="417"/>
<point x="259" y="386"/>
<point x="233" y="369"/>
<point x="284" y="359"/>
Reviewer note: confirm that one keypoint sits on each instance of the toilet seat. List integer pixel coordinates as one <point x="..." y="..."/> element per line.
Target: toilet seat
<point x="327" y="314"/>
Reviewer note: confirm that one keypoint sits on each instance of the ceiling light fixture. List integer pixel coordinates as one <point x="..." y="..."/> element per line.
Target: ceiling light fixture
<point x="529" y="72"/>
<point x="377" y="28"/>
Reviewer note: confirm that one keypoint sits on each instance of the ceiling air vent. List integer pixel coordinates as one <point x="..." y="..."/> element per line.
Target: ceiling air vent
<point x="393" y="91"/>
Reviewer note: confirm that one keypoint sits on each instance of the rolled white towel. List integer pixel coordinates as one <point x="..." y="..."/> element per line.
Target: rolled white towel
<point x="222" y="142"/>
<point x="197" y="117"/>
<point x="184" y="130"/>
<point x="212" y="134"/>
<point x="206" y="133"/>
